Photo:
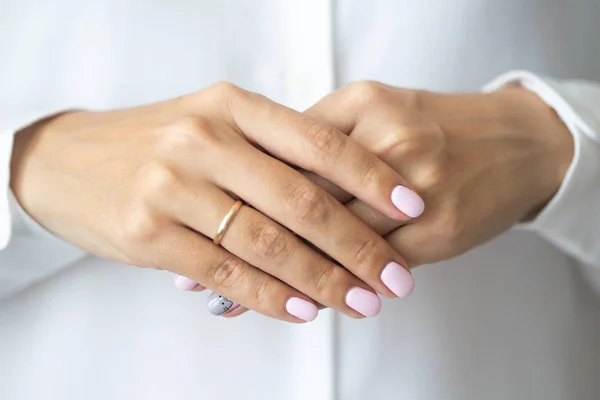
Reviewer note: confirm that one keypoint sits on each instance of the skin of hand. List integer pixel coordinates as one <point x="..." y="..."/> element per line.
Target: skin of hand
<point x="148" y="186"/>
<point x="482" y="162"/>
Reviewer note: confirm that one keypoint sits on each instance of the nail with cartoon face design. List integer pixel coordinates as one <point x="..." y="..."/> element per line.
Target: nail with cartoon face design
<point x="219" y="305"/>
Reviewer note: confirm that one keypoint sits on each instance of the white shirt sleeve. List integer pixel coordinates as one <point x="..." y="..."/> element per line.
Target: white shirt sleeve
<point x="571" y="220"/>
<point x="28" y="252"/>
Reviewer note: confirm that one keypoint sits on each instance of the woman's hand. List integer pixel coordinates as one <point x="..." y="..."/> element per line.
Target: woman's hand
<point x="481" y="162"/>
<point x="149" y="186"/>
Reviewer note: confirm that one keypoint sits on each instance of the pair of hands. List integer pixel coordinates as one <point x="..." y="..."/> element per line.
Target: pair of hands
<point x="149" y="186"/>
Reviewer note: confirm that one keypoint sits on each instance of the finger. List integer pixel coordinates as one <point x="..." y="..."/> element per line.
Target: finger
<point x="337" y="192"/>
<point x="349" y="109"/>
<point x="370" y="216"/>
<point x="380" y="223"/>
<point x="310" y="212"/>
<point x="337" y="110"/>
<point x="344" y="110"/>
<point x="428" y="241"/>
<point x="186" y="284"/>
<point x="347" y="106"/>
<point x="417" y="245"/>
<point x="242" y="310"/>
<point x="320" y="148"/>
<point x="235" y="313"/>
<point x="189" y="254"/>
<point x="273" y="249"/>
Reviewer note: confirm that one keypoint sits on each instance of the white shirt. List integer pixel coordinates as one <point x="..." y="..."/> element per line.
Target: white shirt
<point x="518" y="318"/>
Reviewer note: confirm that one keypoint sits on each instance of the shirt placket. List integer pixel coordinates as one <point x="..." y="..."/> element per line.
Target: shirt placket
<point x="309" y="75"/>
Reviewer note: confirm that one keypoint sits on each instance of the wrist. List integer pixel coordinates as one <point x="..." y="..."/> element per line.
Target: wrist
<point x="31" y="146"/>
<point x="544" y="134"/>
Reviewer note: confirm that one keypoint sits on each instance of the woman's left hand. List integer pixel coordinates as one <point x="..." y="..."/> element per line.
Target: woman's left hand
<point x="482" y="162"/>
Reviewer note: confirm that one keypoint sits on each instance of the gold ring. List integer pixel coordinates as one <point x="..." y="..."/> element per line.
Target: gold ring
<point x="226" y="222"/>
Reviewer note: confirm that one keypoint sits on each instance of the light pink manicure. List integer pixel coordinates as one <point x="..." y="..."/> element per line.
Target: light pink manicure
<point x="408" y="201"/>
<point x="398" y="279"/>
<point x="302" y="309"/>
<point x="183" y="283"/>
<point x="365" y="302"/>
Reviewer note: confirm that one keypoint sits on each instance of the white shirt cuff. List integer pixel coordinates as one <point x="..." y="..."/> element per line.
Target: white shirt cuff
<point x="28" y="252"/>
<point x="6" y="144"/>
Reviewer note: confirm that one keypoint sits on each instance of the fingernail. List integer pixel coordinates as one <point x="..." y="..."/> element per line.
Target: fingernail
<point x="407" y="201"/>
<point x="398" y="279"/>
<point x="219" y="305"/>
<point x="302" y="309"/>
<point x="183" y="283"/>
<point x="365" y="302"/>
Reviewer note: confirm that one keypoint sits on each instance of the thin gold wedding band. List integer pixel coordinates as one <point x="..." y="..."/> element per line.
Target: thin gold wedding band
<point x="226" y="222"/>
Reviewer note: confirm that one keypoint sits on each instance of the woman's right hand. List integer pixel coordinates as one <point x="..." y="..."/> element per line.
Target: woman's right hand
<point x="149" y="186"/>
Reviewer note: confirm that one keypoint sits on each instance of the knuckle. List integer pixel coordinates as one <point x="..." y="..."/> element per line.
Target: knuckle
<point x="192" y="125"/>
<point x="416" y="142"/>
<point x="412" y="99"/>
<point x="327" y="283"/>
<point x="366" y="253"/>
<point x="451" y="227"/>
<point x="223" y="88"/>
<point x="310" y="203"/>
<point x="371" y="172"/>
<point x="365" y="92"/>
<point x="140" y="227"/>
<point x="224" y="93"/>
<point x="428" y="179"/>
<point x="268" y="241"/>
<point x="177" y="141"/>
<point x="398" y="141"/>
<point x="325" y="139"/>
<point x="262" y="295"/>
<point x="155" y="180"/>
<point x="229" y="273"/>
<point x="186" y="134"/>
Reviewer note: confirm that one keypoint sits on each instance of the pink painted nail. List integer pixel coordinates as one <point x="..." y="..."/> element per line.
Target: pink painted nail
<point x="365" y="302"/>
<point x="302" y="309"/>
<point x="183" y="283"/>
<point x="398" y="279"/>
<point x="407" y="201"/>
